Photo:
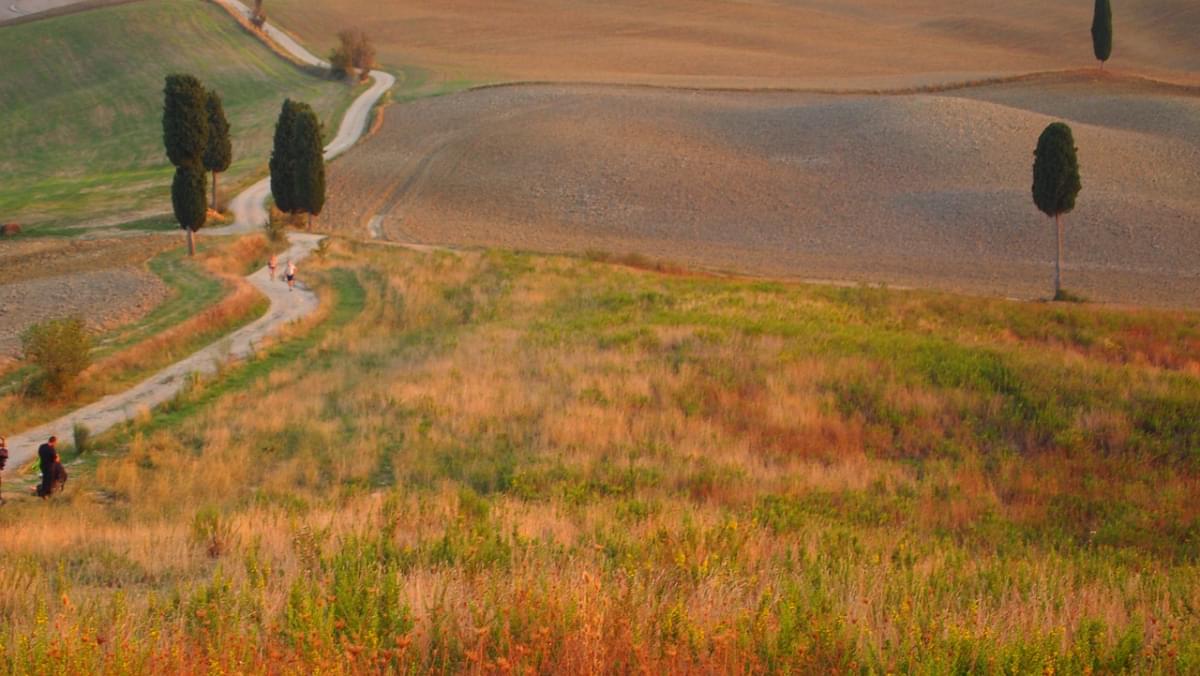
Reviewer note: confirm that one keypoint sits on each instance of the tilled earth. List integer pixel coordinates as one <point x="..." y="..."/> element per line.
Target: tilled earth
<point x="928" y="190"/>
<point x="749" y="43"/>
<point x="104" y="281"/>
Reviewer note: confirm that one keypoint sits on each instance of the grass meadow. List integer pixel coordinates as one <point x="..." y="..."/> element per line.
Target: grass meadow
<point x="62" y="165"/>
<point x="491" y="462"/>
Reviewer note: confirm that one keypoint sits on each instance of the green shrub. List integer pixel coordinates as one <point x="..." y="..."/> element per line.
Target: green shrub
<point x="60" y="349"/>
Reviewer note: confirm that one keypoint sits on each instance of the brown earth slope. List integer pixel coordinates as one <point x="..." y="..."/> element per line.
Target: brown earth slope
<point x="104" y="281"/>
<point x="922" y="189"/>
<point x="749" y="43"/>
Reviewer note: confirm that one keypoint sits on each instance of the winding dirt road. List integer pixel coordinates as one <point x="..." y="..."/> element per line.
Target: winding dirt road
<point x="250" y="206"/>
<point x="249" y="213"/>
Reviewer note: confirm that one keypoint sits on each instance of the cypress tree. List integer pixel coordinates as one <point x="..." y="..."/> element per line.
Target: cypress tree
<point x="218" y="155"/>
<point x="1102" y="31"/>
<point x="185" y="136"/>
<point x="282" y="165"/>
<point x="185" y="120"/>
<point x="188" y="200"/>
<point x="310" y="163"/>
<point x="1056" y="183"/>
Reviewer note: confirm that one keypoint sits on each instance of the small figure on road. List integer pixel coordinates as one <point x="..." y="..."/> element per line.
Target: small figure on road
<point x="47" y="455"/>
<point x="3" y="461"/>
<point x="291" y="275"/>
<point x="271" y="266"/>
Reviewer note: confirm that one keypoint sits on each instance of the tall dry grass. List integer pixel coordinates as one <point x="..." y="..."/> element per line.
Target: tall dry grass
<point x="509" y="463"/>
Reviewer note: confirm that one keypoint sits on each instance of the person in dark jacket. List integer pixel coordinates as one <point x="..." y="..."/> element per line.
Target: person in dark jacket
<point x="3" y="460"/>
<point x="58" y="479"/>
<point x="47" y="456"/>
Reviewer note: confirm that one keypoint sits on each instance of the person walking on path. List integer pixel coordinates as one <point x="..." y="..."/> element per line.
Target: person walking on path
<point x="271" y="266"/>
<point x="291" y="275"/>
<point x="3" y="462"/>
<point x="47" y="455"/>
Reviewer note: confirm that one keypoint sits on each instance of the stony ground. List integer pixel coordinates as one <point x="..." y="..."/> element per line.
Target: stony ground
<point x="928" y="190"/>
<point x="104" y="281"/>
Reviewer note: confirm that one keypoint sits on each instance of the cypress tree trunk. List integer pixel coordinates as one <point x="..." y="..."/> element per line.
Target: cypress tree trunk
<point x="214" y="191"/>
<point x="191" y="239"/>
<point x="1058" y="259"/>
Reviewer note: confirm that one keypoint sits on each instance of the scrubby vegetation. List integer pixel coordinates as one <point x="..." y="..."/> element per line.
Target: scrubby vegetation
<point x="60" y="349"/>
<point x="496" y="462"/>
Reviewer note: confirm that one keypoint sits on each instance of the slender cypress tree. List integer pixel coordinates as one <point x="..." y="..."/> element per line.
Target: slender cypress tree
<point x="283" y="171"/>
<point x="309" y="155"/>
<point x="187" y="198"/>
<point x="1102" y="31"/>
<point x="1056" y="183"/>
<point x="218" y="155"/>
<point x="185" y="119"/>
<point x="185" y="136"/>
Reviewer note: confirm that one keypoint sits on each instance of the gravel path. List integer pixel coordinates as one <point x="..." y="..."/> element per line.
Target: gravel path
<point x="285" y="306"/>
<point x="250" y="205"/>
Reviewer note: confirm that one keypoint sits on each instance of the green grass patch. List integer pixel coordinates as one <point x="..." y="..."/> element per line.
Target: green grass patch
<point x="81" y="108"/>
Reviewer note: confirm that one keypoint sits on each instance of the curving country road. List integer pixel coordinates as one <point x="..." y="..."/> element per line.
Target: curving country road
<point x="249" y="208"/>
<point x="249" y="213"/>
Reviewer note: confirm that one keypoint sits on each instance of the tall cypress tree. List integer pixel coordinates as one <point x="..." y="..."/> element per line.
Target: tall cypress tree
<point x="310" y="163"/>
<point x="185" y="119"/>
<point x="187" y="199"/>
<point x="218" y="155"/>
<point x="1102" y="31"/>
<point x="282" y="165"/>
<point x="1056" y="183"/>
<point x="185" y="136"/>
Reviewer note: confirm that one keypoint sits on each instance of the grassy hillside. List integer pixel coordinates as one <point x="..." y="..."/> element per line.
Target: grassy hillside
<point x="491" y="462"/>
<point x="81" y="102"/>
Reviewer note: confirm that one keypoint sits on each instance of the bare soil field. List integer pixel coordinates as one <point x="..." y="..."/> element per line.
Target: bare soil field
<point x="103" y="280"/>
<point x="753" y="43"/>
<point x="929" y="190"/>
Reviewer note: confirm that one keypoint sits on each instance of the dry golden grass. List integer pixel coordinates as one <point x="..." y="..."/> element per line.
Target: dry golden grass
<point x="518" y="463"/>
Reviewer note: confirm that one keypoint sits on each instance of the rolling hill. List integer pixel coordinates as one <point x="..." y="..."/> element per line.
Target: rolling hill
<point x="80" y="105"/>
<point x="753" y="43"/>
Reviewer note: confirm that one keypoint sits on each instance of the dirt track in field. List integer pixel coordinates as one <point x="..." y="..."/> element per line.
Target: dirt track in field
<point x="928" y="190"/>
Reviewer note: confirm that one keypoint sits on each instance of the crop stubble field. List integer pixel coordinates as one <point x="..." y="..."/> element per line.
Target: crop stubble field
<point x="904" y="185"/>
<point x="923" y="189"/>
<point x="105" y="281"/>
<point x="756" y="43"/>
